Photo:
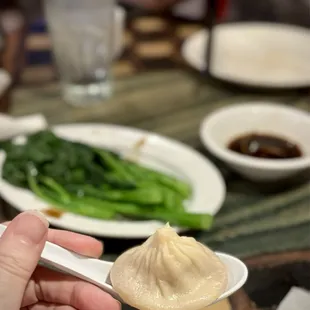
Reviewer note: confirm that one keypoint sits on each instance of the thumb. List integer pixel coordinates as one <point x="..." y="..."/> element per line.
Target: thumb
<point x="20" y="248"/>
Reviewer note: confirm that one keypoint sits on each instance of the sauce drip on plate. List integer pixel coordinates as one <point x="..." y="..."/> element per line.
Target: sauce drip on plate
<point x="53" y="213"/>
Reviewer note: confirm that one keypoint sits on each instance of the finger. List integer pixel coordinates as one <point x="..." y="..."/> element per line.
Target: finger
<point x="52" y="287"/>
<point x="20" y="248"/>
<point x="80" y="244"/>
<point x="45" y="306"/>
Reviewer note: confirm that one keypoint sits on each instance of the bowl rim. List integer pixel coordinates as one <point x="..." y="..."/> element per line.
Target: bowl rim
<point x="242" y="160"/>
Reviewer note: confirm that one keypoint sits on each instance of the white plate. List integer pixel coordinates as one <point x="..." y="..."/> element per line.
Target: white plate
<point x="255" y="54"/>
<point x="158" y="152"/>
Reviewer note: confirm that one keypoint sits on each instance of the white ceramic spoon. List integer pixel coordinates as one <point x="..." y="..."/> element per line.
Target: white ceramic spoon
<point x="97" y="271"/>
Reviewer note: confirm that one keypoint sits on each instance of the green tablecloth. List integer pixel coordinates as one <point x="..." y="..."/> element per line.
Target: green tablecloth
<point x="255" y="219"/>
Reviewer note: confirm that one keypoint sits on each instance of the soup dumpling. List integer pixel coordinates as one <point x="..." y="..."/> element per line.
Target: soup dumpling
<point x="169" y="272"/>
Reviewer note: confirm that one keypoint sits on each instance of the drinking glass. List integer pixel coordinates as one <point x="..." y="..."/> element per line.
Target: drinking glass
<point x="82" y="37"/>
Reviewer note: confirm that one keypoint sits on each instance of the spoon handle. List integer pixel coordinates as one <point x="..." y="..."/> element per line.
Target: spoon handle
<point x="88" y="269"/>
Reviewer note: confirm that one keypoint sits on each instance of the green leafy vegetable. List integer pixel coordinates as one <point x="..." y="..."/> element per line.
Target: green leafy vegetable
<point x="96" y="183"/>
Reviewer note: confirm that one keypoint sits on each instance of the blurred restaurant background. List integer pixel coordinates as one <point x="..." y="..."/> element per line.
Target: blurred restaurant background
<point x="158" y="87"/>
<point x="152" y="39"/>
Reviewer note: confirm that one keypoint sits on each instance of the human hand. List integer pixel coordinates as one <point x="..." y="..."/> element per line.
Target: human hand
<point x="23" y="285"/>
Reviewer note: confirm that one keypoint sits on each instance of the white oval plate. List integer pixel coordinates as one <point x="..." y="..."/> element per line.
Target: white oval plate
<point x="255" y="54"/>
<point x="158" y="152"/>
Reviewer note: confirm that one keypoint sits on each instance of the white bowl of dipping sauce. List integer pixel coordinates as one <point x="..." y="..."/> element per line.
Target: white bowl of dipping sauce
<point x="268" y="120"/>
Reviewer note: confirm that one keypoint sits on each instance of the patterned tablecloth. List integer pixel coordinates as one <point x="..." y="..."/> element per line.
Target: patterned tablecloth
<point x="255" y="218"/>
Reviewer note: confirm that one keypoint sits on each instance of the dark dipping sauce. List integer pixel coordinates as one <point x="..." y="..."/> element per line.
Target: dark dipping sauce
<point x="265" y="146"/>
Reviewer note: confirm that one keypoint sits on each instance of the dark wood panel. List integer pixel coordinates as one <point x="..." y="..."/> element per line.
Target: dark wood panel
<point x="11" y="56"/>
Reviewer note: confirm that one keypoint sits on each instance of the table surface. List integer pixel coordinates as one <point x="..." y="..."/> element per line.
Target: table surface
<point x="255" y="219"/>
<point x="173" y="103"/>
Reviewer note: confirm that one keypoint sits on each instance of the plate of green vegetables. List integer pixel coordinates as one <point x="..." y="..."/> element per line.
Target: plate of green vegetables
<point x="111" y="181"/>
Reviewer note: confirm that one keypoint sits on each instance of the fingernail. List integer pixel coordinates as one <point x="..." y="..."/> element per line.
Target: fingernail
<point x="31" y="227"/>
